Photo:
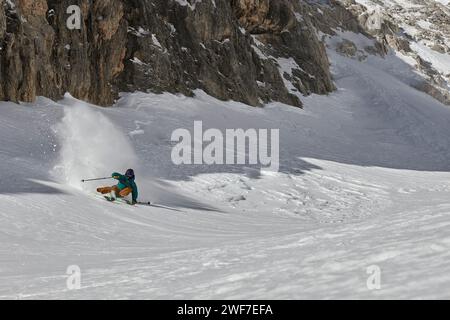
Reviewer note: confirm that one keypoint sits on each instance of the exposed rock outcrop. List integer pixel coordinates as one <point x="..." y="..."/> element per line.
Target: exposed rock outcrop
<point x="283" y="29"/>
<point x="253" y="51"/>
<point x="420" y="32"/>
<point x="230" y="49"/>
<point x="2" y="34"/>
<point x="41" y="56"/>
<point x="181" y="48"/>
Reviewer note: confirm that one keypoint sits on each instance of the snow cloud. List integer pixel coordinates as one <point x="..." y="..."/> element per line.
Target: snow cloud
<point x="91" y="145"/>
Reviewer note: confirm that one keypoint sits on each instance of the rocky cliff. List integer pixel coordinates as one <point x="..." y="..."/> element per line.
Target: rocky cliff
<point x="252" y="51"/>
<point x="419" y="31"/>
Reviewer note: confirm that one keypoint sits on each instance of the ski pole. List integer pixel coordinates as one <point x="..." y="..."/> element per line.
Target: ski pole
<point x="97" y="179"/>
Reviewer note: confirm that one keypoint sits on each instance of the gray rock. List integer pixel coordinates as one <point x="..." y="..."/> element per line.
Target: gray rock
<point x="347" y="48"/>
<point x="159" y="46"/>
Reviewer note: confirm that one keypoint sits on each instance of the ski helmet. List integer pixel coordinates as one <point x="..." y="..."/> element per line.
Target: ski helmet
<point x="130" y="173"/>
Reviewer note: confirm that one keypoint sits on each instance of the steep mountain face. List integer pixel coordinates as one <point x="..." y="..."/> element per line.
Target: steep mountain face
<point x="210" y="45"/>
<point x="284" y="30"/>
<point x="41" y="56"/>
<point x="419" y="31"/>
<point x="161" y="45"/>
<point x="253" y="51"/>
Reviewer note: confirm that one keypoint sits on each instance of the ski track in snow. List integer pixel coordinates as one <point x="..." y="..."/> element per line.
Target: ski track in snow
<point x="364" y="180"/>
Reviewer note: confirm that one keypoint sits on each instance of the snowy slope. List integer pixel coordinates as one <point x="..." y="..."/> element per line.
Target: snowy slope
<point x="364" y="180"/>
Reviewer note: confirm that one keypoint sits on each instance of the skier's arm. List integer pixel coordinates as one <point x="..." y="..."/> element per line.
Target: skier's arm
<point x="116" y="175"/>
<point x="119" y="177"/>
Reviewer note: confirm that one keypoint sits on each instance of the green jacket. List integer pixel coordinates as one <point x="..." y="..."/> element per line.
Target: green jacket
<point x="125" y="182"/>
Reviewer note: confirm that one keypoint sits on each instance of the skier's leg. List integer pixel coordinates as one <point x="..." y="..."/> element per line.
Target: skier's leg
<point x="104" y="190"/>
<point x="115" y="192"/>
<point x="125" y="192"/>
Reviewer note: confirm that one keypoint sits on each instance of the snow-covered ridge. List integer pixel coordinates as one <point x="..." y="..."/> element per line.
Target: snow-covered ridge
<point x="419" y="31"/>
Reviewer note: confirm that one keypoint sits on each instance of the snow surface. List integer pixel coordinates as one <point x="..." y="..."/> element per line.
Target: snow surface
<point x="364" y="180"/>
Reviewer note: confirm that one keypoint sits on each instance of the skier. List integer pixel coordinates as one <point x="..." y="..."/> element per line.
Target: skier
<point x="125" y="186"/>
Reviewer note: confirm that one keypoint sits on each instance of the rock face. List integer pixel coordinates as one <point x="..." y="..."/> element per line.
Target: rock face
<point x="179" y="48"/>
<point x="420" y="32"/>
<point x="283" y="29"/>
<point x="41" y="56"/>
<point x="253" y="51"/>
<point x="2" y="33"/>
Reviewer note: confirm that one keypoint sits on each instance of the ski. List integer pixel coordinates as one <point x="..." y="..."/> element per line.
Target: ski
<point x="110" y="199"/>
<point x="116" y="200"/>
<point x="140" y="203"/>
<point x="155" y="205"/>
